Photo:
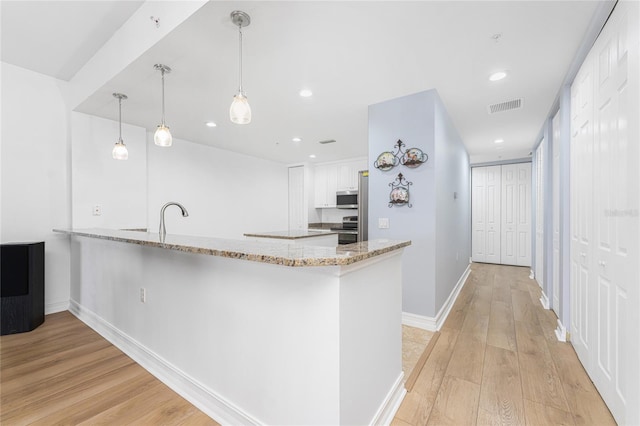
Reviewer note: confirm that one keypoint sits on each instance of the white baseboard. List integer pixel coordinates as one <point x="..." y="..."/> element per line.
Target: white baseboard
<point x="190" y="389"/>
<point x="391" y="403"/>
<point x="544" y="300"/>
<point x="431" y="323"/>
<point x="531" y="274"/>
<point x="419" y="321"/>
<point x="561" y="332"/>
<point x="52" y="308"/>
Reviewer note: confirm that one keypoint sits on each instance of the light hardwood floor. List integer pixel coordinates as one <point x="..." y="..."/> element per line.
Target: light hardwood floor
<point x="497" y="361"/>
<point x="64" y="373"/>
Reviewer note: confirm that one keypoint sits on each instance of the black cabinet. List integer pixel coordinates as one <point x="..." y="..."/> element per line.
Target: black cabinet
<point x="22" y="287"/>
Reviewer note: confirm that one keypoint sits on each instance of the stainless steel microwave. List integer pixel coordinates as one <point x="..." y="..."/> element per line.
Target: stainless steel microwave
<point x="347" y="199"/>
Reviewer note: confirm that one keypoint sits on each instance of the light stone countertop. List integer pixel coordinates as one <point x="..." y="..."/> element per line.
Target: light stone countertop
<point x="257" y="251"/>
<point x="293" y="234"/>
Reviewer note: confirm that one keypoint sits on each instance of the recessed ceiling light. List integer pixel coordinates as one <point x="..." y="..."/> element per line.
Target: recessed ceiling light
<point x="498" y="141"/>
<point x="305" y="93"/>
<point x="312" y="156"/>
<point x="297" y="139"/>
<point x="210" y="124"/>
<point x="497" y="75"/>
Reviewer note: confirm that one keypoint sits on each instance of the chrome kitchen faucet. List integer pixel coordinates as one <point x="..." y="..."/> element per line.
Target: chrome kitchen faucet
<point x="163" y="230"/>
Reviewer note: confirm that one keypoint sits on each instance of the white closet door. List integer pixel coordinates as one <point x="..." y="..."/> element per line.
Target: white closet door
<point x="615" y="270"/>
<point x="297" y="204"/>
<point x="555" y="196"/>
<point x="605" y="189"/>
<point x="516" y="215"/>
<point x="479" y="214"/>
<point x="493" y="190"/>
<point x="581" y="208"/>
<point x="539" y="267"/>
<point x="485" y="214"/>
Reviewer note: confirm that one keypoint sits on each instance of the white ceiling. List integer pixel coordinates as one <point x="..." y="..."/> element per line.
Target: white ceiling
<point x="57" y="38"/>
<point x="350" y="54"/>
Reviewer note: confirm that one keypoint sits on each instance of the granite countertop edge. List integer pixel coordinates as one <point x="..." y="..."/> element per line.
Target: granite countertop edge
<point x="291" y="235"/>
<point x="272" y="253"/>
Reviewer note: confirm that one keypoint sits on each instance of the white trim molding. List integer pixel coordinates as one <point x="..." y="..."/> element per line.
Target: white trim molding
<point x="435" y="323"/>
<point x="391" y="404"/>
<point x="531" y="274"/>
<point x="52" y="308"/>
<point x="544" y="300"/>
<point x="190" y="389"/>
<point x="561" y="332"/>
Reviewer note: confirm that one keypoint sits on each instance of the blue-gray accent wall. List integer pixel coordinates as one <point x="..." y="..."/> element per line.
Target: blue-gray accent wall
<point x="438" y="223"/>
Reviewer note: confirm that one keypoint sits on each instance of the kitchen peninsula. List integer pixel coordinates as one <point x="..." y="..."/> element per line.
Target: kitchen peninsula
<point x="251" y="332"/>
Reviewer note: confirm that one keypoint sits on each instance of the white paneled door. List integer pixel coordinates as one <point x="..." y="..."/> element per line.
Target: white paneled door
<point x="516" y="215"/>
<point x="485" y="214"/>
<point x="540" y="178"/>
<point x="555" y="197"/>
<point x="500" y="214"/>
<point x="297" y="203"/>
<point x="605" y="185"/>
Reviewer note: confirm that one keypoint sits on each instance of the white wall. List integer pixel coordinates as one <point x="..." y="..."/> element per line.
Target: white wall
<point x="118" y="186"/>
<point x="438" y="226"/>
<point x="35" y="178"/>
<point x="226" y="194"/>
<point x="453" y="215"/>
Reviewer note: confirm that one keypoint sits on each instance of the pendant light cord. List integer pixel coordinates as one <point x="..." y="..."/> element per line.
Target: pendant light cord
<point x="120" y="118"/>
<point x="162" y="71"/>
<point x="240" y="60"/>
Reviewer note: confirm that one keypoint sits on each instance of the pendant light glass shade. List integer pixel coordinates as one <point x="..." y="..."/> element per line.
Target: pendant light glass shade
<point x="240" y="111"/>
<point x="120" y="151"/>
<point x="162" y="137"/>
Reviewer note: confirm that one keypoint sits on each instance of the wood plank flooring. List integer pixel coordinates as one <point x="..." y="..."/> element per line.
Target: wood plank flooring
<point x="497" y="361"/>
<point x="64" y="373"/>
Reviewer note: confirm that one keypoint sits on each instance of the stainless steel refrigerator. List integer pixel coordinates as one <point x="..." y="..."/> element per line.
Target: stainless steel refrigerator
<point x="363" y="205"/>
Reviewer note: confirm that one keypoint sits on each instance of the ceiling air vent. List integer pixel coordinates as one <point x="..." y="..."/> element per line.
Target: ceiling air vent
<point x="327" y="141"/>
<point x="505" y="106"/>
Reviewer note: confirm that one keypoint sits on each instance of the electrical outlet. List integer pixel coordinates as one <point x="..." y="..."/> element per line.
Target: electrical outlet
<point x="97" y="210"/>
<point x="383" y="223"/>
<point x="143" y="295"/>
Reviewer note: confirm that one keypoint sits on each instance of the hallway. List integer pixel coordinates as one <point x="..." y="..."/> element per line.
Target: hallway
<point x="497" y="361"/>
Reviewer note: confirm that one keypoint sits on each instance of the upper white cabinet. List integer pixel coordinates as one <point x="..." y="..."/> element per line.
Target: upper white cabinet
<point x="333" y="177"/>
<point x="326" y="185"/>
<point x="348" y="174"/>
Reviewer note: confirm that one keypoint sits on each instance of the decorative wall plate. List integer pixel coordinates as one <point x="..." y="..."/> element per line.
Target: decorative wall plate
<point x="386" y="161"/>
<point x="413" y="157"/>
<point x="399" y="195"/>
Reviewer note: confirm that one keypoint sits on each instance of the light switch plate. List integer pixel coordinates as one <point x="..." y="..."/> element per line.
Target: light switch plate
<point x="383" y="223"/>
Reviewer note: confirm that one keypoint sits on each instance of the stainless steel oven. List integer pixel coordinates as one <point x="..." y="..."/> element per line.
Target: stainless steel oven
<point x="348" y="232"/>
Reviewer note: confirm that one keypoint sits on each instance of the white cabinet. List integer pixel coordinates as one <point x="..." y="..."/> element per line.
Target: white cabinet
<point x="348" y="174"/>
<point x="326" y="185"/>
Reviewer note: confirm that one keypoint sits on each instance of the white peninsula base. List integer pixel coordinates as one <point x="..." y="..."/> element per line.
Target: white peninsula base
<point x="250" y="342"/>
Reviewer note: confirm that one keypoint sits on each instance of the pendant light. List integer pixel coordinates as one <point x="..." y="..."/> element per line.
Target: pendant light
<point x="162" y="137"/>
<point x="240" y="111"/>
<point x="120" y="151"/>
